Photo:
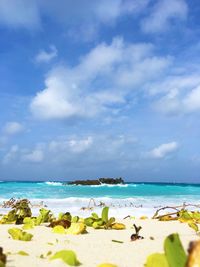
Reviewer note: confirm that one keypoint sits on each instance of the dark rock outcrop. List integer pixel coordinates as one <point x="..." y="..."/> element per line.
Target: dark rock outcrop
<point x="99" y="181"/>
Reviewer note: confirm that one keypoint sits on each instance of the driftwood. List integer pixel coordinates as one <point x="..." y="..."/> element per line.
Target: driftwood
<point x="92" y="200"/>
<point x="176" y="208"/>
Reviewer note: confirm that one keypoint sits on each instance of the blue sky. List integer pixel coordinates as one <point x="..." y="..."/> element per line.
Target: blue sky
<point x="100" y="89"/>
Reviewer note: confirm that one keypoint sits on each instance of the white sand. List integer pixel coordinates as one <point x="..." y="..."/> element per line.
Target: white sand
<point x="95" y="247"/>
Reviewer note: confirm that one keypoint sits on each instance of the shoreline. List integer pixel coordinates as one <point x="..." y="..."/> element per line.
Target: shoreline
<point x="119" y="208"/>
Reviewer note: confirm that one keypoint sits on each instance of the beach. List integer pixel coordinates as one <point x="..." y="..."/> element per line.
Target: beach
<point x="96" y="246"/>
<point x="126" y="202"/>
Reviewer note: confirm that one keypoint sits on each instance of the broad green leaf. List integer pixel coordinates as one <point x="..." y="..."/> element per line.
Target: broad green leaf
<point x="89" y="221"/>
<point x="174" y="251"/>
<point x="68" y="256"/>
<point x="196" y="215"/>
<point x="22" y="253"/>
<point x="76" y="229"/>
<point x="59" y="229"/>
<point x="104" y="214"/>
<point x="75" y="219"/>
<point x="157" y="260"/>
<point x="29" y="223"/>
<point x="110" y="222"/>
<point x="95" y="215"/>
<point x="184" y="216"/>
<point x="96" y="225"/>
<point x="2" y="264"/>
<point x="18" y="234"/>
<point x="65" y="216"/>
<point x="45" y="216"/>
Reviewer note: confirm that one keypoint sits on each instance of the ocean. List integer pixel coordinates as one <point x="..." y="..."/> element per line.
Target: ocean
<point x="135" y="199"/>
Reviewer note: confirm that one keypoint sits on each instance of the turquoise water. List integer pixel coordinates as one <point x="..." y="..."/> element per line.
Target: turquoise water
<point x="57" y="190"/>
<point x="137" y="198"/>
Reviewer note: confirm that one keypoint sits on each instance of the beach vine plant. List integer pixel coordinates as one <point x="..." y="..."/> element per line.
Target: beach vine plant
<point x="174" y="254"/>
<point x="181" y="214"/>
<point x="103" y="221"/>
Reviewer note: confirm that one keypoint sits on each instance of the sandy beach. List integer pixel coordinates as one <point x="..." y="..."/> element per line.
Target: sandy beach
<point x="96" y="246"/>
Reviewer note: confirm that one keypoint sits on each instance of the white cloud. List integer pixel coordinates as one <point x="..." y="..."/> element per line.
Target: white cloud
<point x="46" y="56"/>
<point x="163" y="150"/>
<point x="75" y="145"/>
<point x="103" y="77"/>
<point x="191" y="101"/>
<point x="78" y="146"/>
<point x="19" y="13"/>
<point x="11" y="155"/>
<point x="176" y="103"/>
<point x="163" y="13"/>
<point x="36" y="156"/>
<point x="12" y="128"/>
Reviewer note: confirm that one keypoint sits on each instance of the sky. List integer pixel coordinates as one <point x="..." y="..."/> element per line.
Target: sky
<point x="101" y="88"/>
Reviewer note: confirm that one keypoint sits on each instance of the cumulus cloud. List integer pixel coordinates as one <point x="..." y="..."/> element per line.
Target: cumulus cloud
<point x="75" y="16"/>
<point x="19" y="13"/>
<point x="176" y="102"/>
<point x="11" y="154"/>
<point x="75" y="145"/>
<point x="46" y="56"/>
<point x="12" y="128"/>
<point x="35" y="156"/>
<point x="163" y="150"/>
<point x="103" y="78"/>
<point x="191" y="101"/>
<point x="163" y="14"/>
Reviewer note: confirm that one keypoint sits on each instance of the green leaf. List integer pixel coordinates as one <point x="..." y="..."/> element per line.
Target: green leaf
<point x="45" y="216"/>
<point x="65" y="216"/>
<point x="76" y="229"/>
<point x="68" y="256"/>
<point x="18" y="234"/>
<point x="89" y="221"/>
<point x="118" y="226"/>
<point x="22" y="253"/>
<point x="95" y="215"/>
<point x="29" y="223"/>
<point x="174" y="251"/>
<point x="59" y="229"/>
<point x="2" y="264"/>
<point x="157" y="260"/>
<point x="194" y="226"/>
<point x="75" y="219"/>
<point x="104" y="214"/>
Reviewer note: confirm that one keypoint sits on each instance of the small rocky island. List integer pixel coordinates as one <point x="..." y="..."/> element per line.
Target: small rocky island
<point x="98" y="181"/>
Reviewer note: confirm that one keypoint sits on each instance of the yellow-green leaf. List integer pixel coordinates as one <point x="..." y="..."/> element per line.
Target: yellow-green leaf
<point x="68" y="256"/>
<point x="174" y="251"/>
<point x="18" y="234"/>
<point x="59" y="229"/>
<point x="157" y="260"/>
<point x="118" y="226"/>
<point x="76" y="228"/>
<point x="22" y="253"/>
<point x="194" y="226"/>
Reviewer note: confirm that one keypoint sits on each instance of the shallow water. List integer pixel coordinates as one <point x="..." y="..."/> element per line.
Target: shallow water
<point x="130" y="198"/>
